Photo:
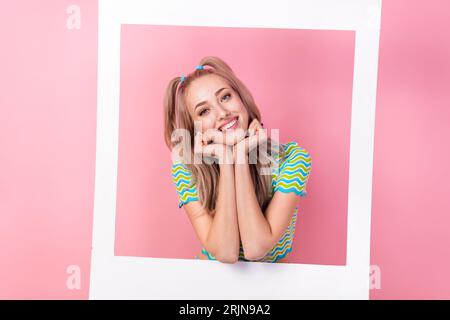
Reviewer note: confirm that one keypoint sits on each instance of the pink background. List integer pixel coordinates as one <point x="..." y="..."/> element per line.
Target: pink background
<point x="47" y="149"/>
<point x="303" y="89"/>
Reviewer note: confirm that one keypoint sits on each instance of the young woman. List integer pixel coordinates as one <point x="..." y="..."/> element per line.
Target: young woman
<point x="241" y="208"/>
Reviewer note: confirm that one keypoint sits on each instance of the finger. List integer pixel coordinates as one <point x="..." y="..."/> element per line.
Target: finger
<point x="252" y="124"/>
<point x="198" y="142"/>
<point x="262" y="132"/>
<point x="258" y="126"/>
<point x="213" y="136"/>
<point x="227" y="137"/>
<point x="214" y="150"/>
<point x="253" y="127"/>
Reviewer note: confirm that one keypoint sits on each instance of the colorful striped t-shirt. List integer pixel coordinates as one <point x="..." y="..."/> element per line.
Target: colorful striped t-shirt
<point x="289" y="175"/>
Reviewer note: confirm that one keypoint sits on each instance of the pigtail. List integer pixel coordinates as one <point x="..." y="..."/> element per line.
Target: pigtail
<point x="170" y="114"/>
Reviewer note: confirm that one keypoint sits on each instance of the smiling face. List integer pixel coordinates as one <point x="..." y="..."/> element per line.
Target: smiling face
<point x="211" y="101"/>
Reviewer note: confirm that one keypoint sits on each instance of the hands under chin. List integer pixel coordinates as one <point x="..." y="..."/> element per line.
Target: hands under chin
<point x="230" y="147"/>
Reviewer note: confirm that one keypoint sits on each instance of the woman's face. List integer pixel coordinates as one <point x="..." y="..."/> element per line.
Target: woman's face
<point x="213" y="103"/>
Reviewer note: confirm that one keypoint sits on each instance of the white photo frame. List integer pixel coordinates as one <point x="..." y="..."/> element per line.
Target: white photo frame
<point x="120" y="277"/>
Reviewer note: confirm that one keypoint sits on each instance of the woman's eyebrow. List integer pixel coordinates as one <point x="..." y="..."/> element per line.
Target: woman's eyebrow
<point x="203" y="102"/>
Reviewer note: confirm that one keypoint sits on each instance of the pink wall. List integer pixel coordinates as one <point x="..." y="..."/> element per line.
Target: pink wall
<point x="288" y="84"/>
<point x="48" y="80"/>
<point x="47" y="149"/>
<point x="411" y="203"/>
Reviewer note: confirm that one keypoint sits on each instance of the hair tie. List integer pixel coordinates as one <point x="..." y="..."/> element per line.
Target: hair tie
<point x="183" y="78"/>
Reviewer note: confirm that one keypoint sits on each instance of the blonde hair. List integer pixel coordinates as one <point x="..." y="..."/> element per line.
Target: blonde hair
<point x="176" y="116"/>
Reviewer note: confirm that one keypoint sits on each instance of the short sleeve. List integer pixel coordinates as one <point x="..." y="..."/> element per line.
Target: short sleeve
<point x="182" y="178"/>
<point x="294" y="170"/>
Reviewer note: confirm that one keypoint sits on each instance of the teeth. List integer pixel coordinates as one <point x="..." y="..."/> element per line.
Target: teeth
<point x="228" y="125"/>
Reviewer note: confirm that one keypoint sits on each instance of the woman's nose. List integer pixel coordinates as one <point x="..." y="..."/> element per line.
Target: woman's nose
<point x="222" y="112"/>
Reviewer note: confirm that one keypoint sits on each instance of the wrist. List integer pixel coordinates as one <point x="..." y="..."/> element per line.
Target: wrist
<point x="227" y="157"/>
<point x="240" y="155"/>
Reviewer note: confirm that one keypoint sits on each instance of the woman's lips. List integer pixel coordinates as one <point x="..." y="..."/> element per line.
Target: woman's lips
<point x="230" y="125"/>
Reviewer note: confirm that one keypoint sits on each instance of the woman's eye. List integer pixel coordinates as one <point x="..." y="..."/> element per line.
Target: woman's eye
<point x="203" y="112"/>
<point x="227" y="95"/>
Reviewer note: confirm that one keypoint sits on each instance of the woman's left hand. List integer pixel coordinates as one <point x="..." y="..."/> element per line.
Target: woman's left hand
<point x="256" y="135"/>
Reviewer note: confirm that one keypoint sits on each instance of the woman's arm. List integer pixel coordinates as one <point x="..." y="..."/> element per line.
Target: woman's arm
<point x="260" y="233"/>
<point x="219" y="234"/>
<point x="223" y="237"/>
